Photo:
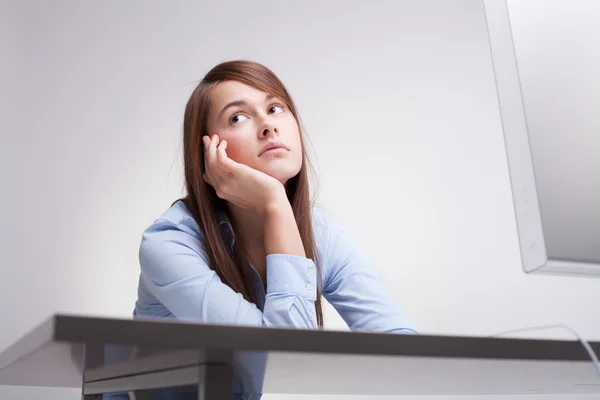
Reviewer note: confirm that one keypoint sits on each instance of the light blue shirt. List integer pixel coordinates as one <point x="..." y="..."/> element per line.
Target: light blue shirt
<point x="177" y="282"/>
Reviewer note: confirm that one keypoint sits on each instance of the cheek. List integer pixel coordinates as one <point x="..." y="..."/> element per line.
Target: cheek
<point x="297" y="145"/>
<point x="292" y="133"/>
<point x="293" y="140"/>
<point x="237" y="151"/>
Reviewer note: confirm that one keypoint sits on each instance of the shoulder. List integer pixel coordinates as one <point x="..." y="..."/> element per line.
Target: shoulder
<point x="177" y="216"/>
<point x="171" y="246"/>
<point x="174" y="228"/>
<point x="171" y="250"/>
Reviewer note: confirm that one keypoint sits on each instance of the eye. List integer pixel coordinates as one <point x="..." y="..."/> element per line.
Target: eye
<point x="237" y="118"/>
<point x="276" y="109"/>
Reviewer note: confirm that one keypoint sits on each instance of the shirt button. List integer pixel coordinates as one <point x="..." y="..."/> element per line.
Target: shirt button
<point x="309" y="286"/>
<point x="310" y="271"/>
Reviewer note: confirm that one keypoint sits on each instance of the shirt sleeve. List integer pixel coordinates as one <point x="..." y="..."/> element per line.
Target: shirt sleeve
<point x="355" y="289"/>
<point x="175" y="270"/>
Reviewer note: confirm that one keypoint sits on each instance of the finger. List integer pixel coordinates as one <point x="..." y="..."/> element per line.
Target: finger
<point x="222" y="155"/>
<point x="207" y="179"/>
<point x="206" y="142"/>
<point x="214" y="146"/>
<point x="211" y="168"/>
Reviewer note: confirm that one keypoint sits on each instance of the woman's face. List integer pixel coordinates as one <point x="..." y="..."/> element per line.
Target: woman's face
<point x="249" y="120"/>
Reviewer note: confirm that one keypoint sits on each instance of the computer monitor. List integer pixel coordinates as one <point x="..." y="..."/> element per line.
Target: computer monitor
<point x="546" y="58"/>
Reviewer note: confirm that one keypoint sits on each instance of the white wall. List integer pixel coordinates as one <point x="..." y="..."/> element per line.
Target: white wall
<point x="398" y="99"/>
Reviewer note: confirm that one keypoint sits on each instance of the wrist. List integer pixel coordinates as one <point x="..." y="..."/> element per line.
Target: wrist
<point x="281" y="234"/>
<point x="276" y="203"/>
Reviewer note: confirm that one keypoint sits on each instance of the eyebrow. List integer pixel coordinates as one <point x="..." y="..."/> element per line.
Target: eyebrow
<point x="236" y="103"/>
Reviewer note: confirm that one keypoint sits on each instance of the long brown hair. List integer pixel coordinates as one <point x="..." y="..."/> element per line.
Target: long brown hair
<point x="202" y="200"/>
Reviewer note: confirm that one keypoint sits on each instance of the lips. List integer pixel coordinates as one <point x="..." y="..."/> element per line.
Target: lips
<point x="272" y="146"/>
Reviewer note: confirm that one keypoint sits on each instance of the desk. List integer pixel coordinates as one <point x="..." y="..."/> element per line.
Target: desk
<point x="102" y="355"/>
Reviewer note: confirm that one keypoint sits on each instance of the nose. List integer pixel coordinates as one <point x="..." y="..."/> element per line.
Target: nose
<point x="268" y="128"/>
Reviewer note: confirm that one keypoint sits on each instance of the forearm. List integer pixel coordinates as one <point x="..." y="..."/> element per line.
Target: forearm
<point x="281" y="233"/>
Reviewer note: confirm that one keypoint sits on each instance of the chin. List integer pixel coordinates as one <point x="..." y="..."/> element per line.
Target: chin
<point x="282" y="175"/>
<point x="283" y="178"/>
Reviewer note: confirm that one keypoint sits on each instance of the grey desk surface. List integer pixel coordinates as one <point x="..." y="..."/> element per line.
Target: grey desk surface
<point x="300" y="361"/>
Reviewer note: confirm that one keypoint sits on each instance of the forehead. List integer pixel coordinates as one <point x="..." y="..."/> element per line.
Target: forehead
<point x="227" y="91"/>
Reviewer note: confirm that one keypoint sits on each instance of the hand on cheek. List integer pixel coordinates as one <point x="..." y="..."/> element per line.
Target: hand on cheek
<point x="241" y="185"/>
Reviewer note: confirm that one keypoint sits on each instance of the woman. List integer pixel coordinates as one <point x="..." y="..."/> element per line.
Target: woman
<point x="245" y="246"/>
